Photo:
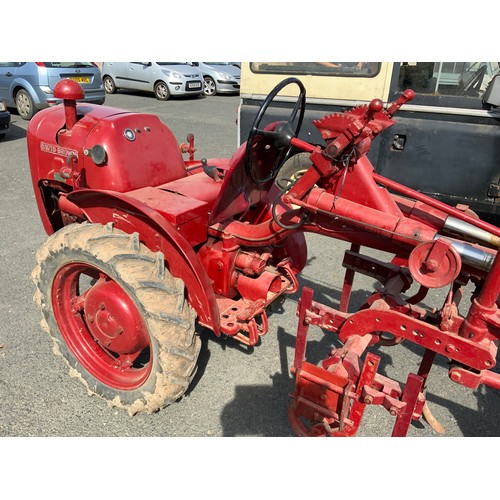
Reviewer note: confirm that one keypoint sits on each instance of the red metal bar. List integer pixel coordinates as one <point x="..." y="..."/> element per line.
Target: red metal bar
<point x="463" y="350"/>
<point x="410" y="396"/>
<point x="491" y="287"/>
<point x="389" y="226"/>
<point x="366" y="378"/>
<point x="305" y="304"/>
<point x="304" y="146"/>
<point x="426" y="364"/>
<point x="406" y="191"/>
<point x="491" y="379"/>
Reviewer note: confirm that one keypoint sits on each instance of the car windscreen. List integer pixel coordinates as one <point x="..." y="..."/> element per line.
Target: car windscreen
<point x="350" y="69"/>
<point x="68" y="64"/>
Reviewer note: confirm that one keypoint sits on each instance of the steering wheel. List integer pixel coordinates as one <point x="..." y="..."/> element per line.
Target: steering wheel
<point x="278" y="136"/>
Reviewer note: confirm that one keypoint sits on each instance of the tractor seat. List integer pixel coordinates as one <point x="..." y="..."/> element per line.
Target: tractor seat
<point x="198" y="186"/>
<point x="185" y="202"/>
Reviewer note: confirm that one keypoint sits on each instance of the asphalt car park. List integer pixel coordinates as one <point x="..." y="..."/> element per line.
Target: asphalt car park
<point x="237" y="391"/>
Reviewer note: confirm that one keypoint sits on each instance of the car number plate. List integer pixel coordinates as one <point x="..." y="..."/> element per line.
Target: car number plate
<point x="194" y="85"/>
<point x="80" y="79"/>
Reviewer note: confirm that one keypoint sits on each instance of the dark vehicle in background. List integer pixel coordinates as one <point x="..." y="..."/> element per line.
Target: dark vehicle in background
<point x="164" y="79"/>
<point x="29" y="86"/>
<point x="446" y="140"/>
<point x="4" y="119"/>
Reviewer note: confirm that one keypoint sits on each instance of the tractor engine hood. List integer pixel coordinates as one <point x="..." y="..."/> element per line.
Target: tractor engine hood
<point x="100" y="147"/>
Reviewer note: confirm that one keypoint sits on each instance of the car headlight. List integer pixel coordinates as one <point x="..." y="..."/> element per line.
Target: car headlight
<point x="223" y="76"/>
<point x="172" y="74"/>
<point x="3" y="107"/>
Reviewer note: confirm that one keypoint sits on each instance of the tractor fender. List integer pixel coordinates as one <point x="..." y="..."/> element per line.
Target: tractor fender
<point x="159" y="235"/>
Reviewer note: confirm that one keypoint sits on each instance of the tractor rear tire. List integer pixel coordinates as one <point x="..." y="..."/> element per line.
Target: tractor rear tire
<point x="117" y="316"/>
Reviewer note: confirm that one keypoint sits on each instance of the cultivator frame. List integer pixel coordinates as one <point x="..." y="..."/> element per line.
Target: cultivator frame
<point x="330" y="400"/>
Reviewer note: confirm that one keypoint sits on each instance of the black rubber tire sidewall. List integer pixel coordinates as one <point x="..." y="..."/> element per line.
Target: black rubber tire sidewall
<point x="159" y="96"/>
<point x="212" y="83"/>
<point x="298" y="162"/>
<point x="108" y="82"/>
<point x="32" y="109"/>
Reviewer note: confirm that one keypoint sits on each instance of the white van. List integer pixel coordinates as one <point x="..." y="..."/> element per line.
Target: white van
<point x="445" y="142"/>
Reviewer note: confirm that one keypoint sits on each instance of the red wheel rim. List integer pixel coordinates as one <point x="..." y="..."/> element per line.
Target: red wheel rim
<point x="101" y="326"/>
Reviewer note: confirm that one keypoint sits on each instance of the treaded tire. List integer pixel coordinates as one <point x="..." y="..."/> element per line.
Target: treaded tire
<point x="209" y="86"/>
<point x="161" y="91"/>
<point x="24" y="104"/>
<point x="159" y="298"/>
<point x="293" y="169"/>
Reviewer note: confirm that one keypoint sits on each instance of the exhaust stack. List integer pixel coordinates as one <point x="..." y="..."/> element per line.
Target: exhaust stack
<point x="69" y="91"/>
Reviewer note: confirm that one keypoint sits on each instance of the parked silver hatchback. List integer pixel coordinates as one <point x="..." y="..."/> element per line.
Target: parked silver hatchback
<point x="29" y="86"/>
<point x="164" y="79"/>
<point x="219" y="77"/>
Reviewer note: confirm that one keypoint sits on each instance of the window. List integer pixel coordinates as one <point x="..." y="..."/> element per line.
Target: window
<point x="66" y="64"/>
<point x="447" y="78"/>
<point x="362" y="69"/>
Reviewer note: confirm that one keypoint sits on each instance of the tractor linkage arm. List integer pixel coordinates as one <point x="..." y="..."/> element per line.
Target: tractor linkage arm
<point x="434" y="245"/>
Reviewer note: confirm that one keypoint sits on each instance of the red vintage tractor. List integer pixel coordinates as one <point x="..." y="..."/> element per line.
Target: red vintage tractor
<point x="144" y="244"/>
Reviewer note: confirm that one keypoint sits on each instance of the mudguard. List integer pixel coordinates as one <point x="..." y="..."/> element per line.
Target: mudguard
<point x="130" y="215"/>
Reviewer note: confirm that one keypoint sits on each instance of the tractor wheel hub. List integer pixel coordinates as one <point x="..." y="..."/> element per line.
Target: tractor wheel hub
<point x="113" y="319"/>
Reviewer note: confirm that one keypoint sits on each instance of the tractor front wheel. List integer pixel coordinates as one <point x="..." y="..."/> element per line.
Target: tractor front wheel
<point x="116" y="316"/>
<point x="293" y="169"/>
